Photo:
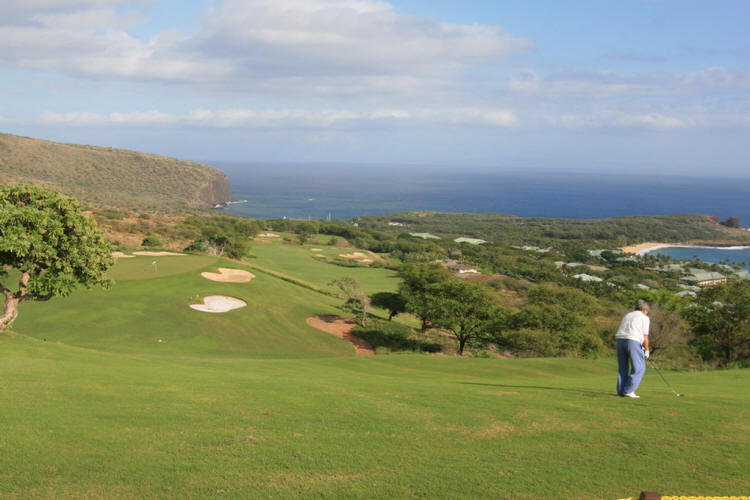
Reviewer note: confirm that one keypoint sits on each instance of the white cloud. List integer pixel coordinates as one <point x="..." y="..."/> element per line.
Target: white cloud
<point x="328" y="119"/>
<point x="73" y="118"/>
<point x="655" y="120"/>
<point x="615" y="119"/>
<point x="314" y="47"/>
<point x="604" y="85"/>
<point x="344" y="37"/>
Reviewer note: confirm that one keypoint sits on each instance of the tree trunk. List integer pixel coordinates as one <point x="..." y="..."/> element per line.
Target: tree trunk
<point x="10" y="312"/>
<point x="461" y="344"/>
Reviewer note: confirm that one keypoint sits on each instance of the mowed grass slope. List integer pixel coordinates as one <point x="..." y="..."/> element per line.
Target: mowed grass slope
<point x="298" y="261"/>
<point x="255" y="404"/>
<point x="147" y="310"/>
<point x="78" y="423"/>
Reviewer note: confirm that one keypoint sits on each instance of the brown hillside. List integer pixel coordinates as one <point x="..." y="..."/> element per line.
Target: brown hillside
<point x="107" y="177"/>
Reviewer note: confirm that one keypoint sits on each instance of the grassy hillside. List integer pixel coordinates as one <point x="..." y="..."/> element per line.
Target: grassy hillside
<point x="79" y="423"/>
<point x="514" y="230"/>
<point x="112" y="177"/>
<point x="300" y="262"/>
<point x="148" y="311"/>
<point x="129" y="393"/>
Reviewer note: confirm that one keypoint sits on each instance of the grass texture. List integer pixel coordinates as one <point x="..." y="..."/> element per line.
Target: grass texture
<point x="255" y="404"/>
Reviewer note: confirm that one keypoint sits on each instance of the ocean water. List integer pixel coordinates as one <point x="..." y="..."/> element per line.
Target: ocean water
<point x="734" y="255"/>
<point x="343" y="192"/>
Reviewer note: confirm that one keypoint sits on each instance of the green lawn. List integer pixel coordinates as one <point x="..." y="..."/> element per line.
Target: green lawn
<point x="80" y="423"/>
<point x="129" y="393"/>
<point x="148" y="311"/>
<point x="297" y="261"/>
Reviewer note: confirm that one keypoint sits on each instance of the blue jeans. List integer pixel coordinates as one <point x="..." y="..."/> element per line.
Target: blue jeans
<point x="631" y="365"/>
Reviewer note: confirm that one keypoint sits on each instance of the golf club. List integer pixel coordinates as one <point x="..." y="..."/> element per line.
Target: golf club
<point x="664" y="379"/>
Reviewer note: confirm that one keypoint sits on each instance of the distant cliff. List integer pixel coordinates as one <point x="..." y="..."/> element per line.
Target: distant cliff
<point x="107" y="177"/>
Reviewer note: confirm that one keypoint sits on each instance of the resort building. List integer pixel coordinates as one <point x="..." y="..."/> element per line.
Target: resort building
<point x="703" y="278"/>
<point x="588" y="277"/>
<point x="471" y="241"/>
<point x="425" y="236"/>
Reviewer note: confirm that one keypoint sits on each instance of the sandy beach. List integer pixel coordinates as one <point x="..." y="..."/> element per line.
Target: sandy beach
<point x="643" y="248"/>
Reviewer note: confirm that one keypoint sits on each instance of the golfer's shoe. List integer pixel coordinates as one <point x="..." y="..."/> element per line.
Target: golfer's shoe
<point x="632" y="395"/>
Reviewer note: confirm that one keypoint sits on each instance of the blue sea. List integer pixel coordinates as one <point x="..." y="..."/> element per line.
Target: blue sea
<point x="317" y="191"/>
<point x="732" y="255"/>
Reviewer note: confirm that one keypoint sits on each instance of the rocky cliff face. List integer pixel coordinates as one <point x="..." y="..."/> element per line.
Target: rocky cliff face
<point x="218" y="191"/>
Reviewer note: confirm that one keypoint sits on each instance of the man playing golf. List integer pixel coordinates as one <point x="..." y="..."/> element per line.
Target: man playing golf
<point x="632" y="349"/>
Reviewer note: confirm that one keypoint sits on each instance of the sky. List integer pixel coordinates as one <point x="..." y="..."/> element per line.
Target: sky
<point x="640" y="86"/>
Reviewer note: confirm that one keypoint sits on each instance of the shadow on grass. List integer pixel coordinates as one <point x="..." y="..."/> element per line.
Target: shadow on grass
<point x="394" y="337"/>
<point x="543" y="388"/>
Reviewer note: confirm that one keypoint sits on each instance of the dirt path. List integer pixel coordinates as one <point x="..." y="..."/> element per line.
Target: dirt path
<point x="342" y="328"/>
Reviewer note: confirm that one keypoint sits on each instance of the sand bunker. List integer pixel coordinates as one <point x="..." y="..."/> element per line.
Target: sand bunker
<point x="316" y="249"/>
<point x="268" y="235"/>
<point x="359" y="256"/>
<point x="226" y="275"/>
<point x="342" y="328"/>
<point x="121" y="255"/>
<point x="157" y="254"/>
<point x="218" y="304"/>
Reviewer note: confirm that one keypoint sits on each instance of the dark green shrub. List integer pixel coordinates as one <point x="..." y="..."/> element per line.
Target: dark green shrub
<point x="151" y="241"/>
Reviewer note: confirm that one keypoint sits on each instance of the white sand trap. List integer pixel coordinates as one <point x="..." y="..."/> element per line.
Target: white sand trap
<point x="226" y="275"/>
<point x="319" y="255"/>
<point x="157" y="254"/>
<point x="268" y="235"/>
<point x="121" y="255"/>
<point x="316" y="249"/>
<point x="218" y="304"/>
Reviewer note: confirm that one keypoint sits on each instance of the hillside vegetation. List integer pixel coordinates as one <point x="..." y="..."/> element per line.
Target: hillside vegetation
<point x="512" y="230"/>
<point x="106" y="177"/>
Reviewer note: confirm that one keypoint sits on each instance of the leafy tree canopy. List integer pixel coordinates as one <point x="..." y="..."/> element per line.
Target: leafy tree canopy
<point x="46" y="237"/>
<point x="721" y="322"/>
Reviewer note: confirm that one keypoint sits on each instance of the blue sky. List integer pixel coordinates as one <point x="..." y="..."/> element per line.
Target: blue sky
<point x="606" y="85"/>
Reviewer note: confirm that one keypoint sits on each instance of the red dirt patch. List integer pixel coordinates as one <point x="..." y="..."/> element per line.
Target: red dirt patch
<point x="342" y="328"/>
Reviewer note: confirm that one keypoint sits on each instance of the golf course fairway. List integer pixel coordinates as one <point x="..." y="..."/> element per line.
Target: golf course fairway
<point x="129" y="393"/>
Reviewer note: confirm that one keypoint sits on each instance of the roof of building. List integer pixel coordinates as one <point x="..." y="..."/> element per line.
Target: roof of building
<point x="425" y="236"/>
<point x="689" y="287"/>
<point x="472" y="241"/>
<point x="587" y="277"/>
<point x="701" y="275"/>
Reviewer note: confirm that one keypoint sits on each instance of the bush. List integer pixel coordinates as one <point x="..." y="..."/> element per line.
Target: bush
<point x="151" y="241"/>
<point x="220" y="235"/>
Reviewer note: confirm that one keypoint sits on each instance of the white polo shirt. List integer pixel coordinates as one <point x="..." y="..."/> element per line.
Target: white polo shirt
<point x="634" y="326"/>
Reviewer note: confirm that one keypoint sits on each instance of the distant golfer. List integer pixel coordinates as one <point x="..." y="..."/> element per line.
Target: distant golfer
<point x="632" y="349"/>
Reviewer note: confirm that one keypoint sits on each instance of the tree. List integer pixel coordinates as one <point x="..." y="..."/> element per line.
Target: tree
<point x="394" y="303"/>
<point x="357" y="301"/>
<point x="417" y="279"/>
<point x="556" y="320"/>
<point x="151" y="241"/>
<point x="668" y="330"/>
<point x="47" y="238"/>
<point x="721" y="322"/>
<point x="462" y="308"/>
<point x="220" y="235"/>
